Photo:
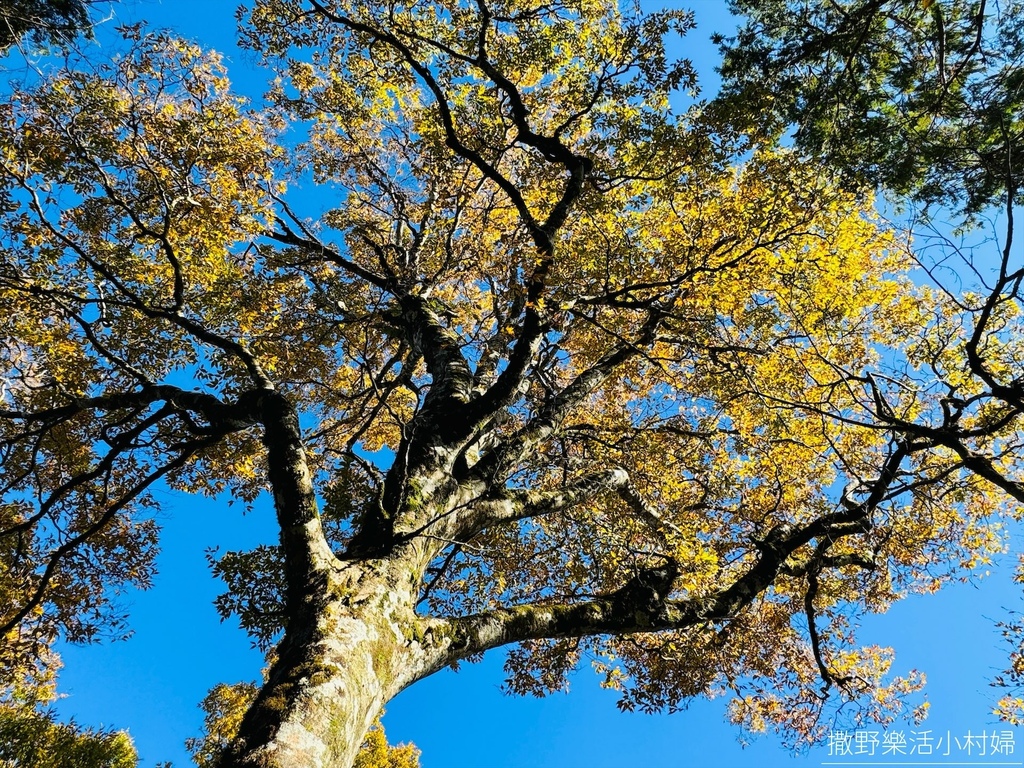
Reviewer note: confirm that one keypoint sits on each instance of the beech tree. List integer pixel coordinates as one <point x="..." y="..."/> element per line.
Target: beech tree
<point x="522" y="356"/>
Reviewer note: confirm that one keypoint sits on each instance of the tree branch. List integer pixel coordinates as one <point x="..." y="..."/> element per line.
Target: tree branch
<point x="630" y="610"/>
<point x="307" y="555"/>
<point x="67" y="548"/>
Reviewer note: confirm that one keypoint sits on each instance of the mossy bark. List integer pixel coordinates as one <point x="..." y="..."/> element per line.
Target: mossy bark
<point x="329" y="683"/>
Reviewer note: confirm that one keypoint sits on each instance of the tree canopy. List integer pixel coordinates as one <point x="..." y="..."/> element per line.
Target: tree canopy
<point x="541" y="362"/>
<point x="923" y="98"/>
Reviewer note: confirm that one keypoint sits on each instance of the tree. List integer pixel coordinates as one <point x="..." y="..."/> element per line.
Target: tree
<point x="922" y="98"/>
<point x="29" y="732"/>
<point x="28" y="738"/>
<point x="226" y="705"/>
<point x="549" y="367"/>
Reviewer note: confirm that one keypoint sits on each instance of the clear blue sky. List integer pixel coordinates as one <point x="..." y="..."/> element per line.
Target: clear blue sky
<point x="152" y="683"/>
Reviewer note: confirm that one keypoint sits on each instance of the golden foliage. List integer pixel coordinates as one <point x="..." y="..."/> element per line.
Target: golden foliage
<point x="501" y="200"/>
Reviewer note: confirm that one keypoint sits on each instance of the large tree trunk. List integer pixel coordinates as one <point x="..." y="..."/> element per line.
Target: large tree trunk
<point x="352" y="638"/>
<point x="335" y="672"/>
